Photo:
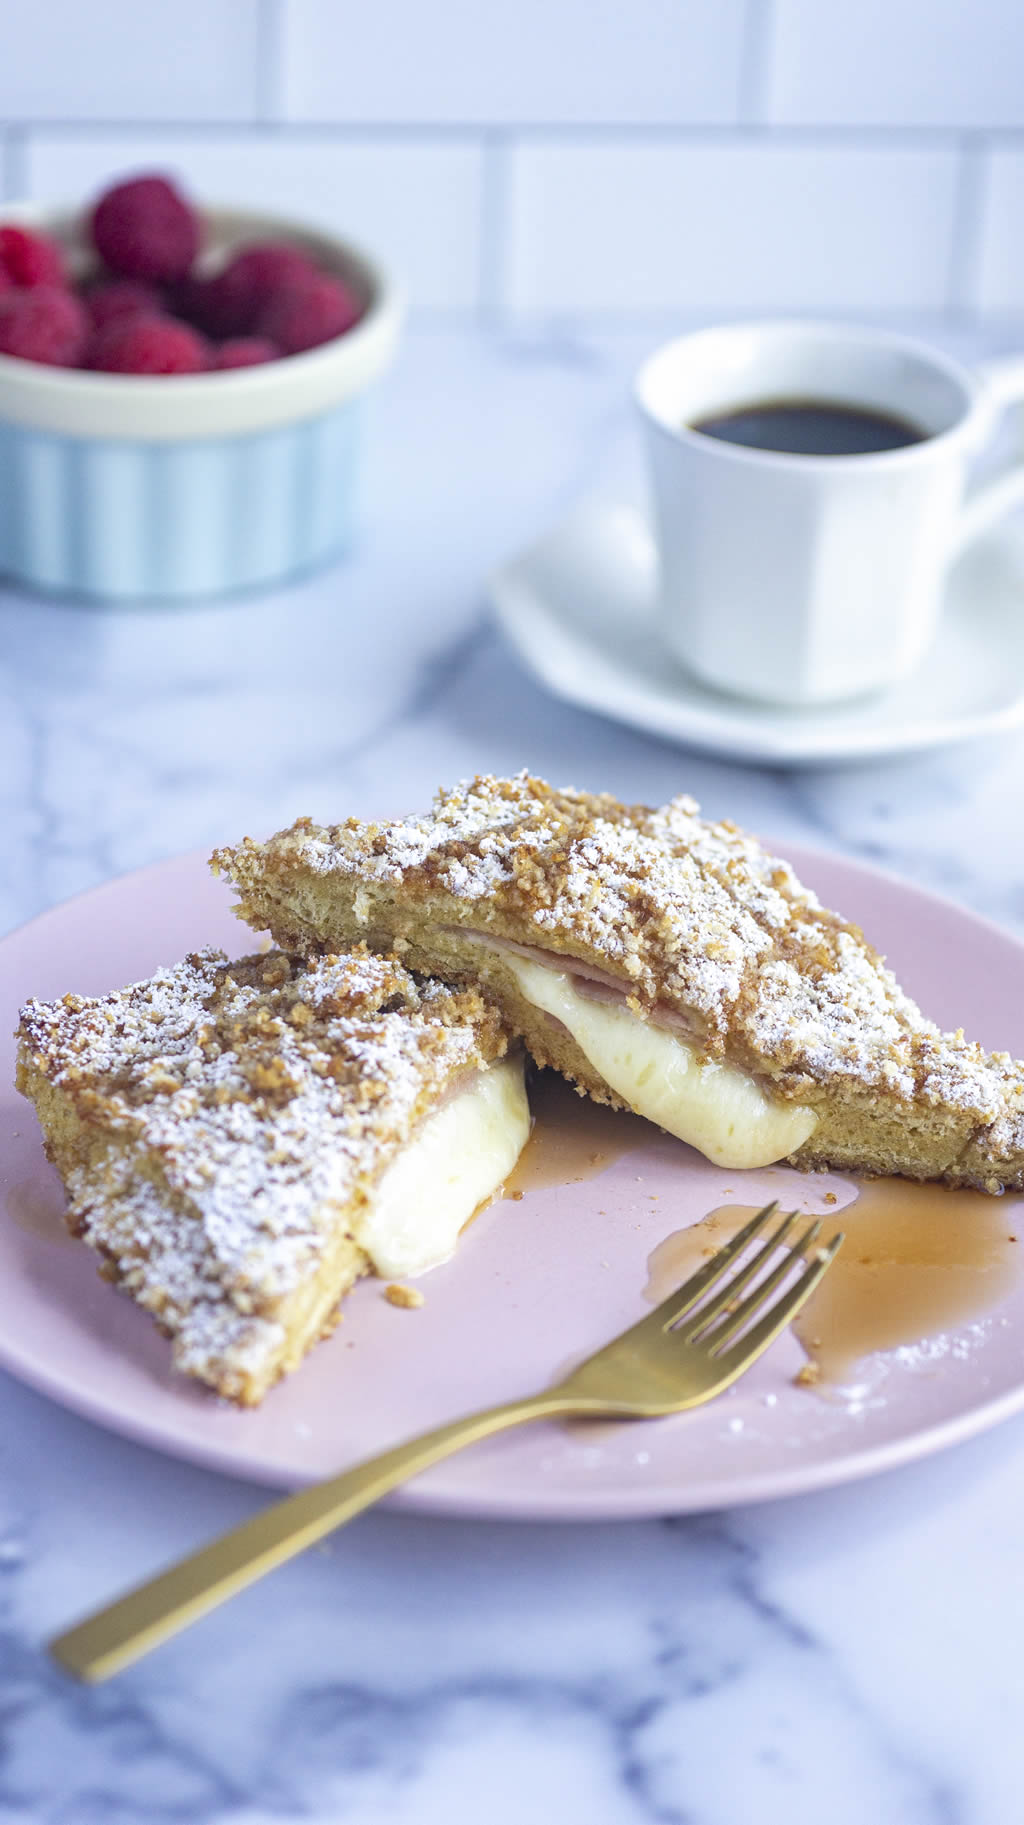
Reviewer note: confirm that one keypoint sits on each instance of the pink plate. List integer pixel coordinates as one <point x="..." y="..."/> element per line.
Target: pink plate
<point x="535" y="1284"/>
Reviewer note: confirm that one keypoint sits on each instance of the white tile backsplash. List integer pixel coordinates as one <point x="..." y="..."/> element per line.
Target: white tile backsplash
<point x="412" y="200"/>
<point x="730" y="228"/>
<point x="97" y="59"/>
<point x="897" y="63"/>
<point x="692" y="156"/>
<point x="535" y="61"/>
<point x="1000" y="278"/>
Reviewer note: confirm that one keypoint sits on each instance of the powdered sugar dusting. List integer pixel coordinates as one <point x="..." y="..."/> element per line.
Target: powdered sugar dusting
<point x="246" y="1107"/>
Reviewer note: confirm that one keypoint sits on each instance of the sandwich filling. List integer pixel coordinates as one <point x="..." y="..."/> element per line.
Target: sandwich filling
<point x="661" y="1075"/>
<point x="456" y="1161"/>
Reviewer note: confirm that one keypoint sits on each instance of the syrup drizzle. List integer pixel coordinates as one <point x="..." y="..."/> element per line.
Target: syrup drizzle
<point x="572" y="1138"/>
<point x="917" y="1260"/>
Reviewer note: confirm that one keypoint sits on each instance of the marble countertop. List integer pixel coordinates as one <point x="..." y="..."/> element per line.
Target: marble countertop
<point x="844" y="1656"/>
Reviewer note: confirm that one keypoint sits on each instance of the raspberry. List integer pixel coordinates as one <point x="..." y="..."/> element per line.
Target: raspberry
<point x="30" y="259"/>
<point x="147" y="345"/>
<point x="245" y="352"/>
<point x="121" y="298"/>
<point x="145" y="230"/>
<point x="309" y="311"/>
<point x="184" y="299"/>
<point x="191" y="300"/>
<point x="42" y="323"/>
<point x="230" y="303"/>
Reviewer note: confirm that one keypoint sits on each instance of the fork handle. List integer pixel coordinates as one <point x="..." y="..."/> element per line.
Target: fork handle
<point x="113" y="1637"/>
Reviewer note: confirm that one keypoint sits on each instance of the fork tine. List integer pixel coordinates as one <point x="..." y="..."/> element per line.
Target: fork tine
<point x="717" y="1335"/>
<point x="757" y="1339"/>
<point x="701" y="1316"/>
<point x="685" y="1296"/>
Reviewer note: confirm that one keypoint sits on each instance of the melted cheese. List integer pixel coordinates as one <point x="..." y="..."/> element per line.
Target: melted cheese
<point x="716" y="1108"/>
<point x="458" y="1158"/>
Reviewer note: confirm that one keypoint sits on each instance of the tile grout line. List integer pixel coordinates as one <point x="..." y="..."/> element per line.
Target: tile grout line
<point x="271" y="63"/>
<point x="754" y="92"/>
<point x="493" y="225"/>
<point x="616" y="320"/>
<point x="968" y="229"/>
<point x="891" y="137"/>
<point x="16" y="163"/>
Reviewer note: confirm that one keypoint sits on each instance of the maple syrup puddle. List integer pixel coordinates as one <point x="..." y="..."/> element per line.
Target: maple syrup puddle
<point x="917" y="1260"/>
<point x="572" y="1138"/>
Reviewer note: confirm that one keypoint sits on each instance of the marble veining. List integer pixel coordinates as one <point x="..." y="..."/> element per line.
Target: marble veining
<point x="845" y="1656"/>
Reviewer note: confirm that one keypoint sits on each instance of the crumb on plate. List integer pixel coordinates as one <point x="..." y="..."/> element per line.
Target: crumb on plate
<point x="408" y="1297"/>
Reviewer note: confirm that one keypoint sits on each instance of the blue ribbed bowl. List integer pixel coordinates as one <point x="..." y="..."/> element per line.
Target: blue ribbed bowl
<point x="120" y="519"/>
<point x="128" y="489"/>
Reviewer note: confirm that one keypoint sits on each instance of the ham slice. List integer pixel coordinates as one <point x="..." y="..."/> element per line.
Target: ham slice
<point x="593" y="983"/>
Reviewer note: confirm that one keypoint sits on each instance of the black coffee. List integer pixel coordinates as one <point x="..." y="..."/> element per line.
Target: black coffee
<point x="811" y="427"/>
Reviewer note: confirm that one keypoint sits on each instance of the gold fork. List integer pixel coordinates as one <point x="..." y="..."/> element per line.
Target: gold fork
<point x="680" y="1355"/>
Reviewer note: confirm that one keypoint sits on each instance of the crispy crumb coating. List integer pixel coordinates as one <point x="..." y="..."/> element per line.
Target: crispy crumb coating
<point x="693" y="921"/>
<point x="219" y="1125"/>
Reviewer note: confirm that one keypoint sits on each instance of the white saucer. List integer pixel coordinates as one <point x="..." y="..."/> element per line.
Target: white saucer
<point x="579" y="607"/>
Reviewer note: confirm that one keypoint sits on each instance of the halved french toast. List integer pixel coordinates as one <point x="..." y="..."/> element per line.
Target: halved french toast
<point x="240" y="1141"/>
<point x="663" y="963"/>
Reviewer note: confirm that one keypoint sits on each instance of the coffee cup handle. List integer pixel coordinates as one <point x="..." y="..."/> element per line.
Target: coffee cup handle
<point x="1001" y="385"/>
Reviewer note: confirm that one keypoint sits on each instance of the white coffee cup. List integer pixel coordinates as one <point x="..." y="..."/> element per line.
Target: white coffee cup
<point x="799" y="579"/>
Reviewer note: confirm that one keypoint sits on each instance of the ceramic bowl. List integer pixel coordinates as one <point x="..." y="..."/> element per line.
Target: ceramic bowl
<point x="126" y="488"/>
